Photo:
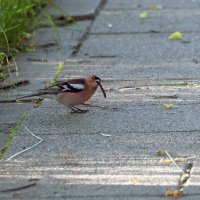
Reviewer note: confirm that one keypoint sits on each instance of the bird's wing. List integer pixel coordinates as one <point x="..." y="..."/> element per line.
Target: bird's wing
<point x="73" y="85"/>
<point x="74" y="88"/>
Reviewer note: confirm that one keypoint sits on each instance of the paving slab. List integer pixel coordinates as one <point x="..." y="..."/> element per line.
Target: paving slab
<point x="64" y="185"/>
<point x="127" y="68"/>
<point x="55" y="45"/>
<point x="150" y="114"/>
<point x="151" y="4"/>
<point x="38" y="67"/>
<point x="11" y="113"/>
<point x="128" y="21"/>
<point x="77" y="156"/>
<point x="73" y="7"/>
<point x="110" y="152"/>
<point x="143" y="48"/>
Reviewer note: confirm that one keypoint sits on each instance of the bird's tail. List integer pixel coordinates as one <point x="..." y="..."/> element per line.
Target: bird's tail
<point x="42" y="94"/>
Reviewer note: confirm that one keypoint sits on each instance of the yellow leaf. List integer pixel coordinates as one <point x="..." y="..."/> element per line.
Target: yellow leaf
<point x="165" y="161"/>
<point x="168" y="192"/>
<point x="176" y="36"/>
<point x="175" y="193"/>
<point x="168" y="106"/>
<point x="160" y="153"/>
<point x="168" y="161"/>
<point x="133" y="180"/>
<point x="143" y="15"/>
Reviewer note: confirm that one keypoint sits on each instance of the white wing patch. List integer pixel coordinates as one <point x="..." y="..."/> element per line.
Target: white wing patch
<point x="67" y="87"/>
<point x="77" y="86"/>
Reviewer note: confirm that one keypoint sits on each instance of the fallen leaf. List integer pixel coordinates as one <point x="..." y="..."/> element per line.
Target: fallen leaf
<point x="133" y="180"/>
<point x="169" y="106"/>
<point x="175" y="193"/>
<point x="165" y="161"/>
<point x="143" y="15"/>
<point x="178" y="194"/>
<point x="176" y="36"/>
<point x="168" y="192"/>
<point x="160" y="153"/>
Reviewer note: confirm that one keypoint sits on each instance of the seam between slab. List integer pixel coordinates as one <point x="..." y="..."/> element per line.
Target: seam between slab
<point x="135" y="132"/>
<point x="87" y="32"/>
<point x="150" y="9"/>
<point x="139" y="32"/>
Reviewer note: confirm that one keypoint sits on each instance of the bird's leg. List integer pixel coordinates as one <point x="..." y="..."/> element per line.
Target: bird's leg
<point x="90" y="105"/>
<point x="103" y="107"/>
<point x="77" y="110"/>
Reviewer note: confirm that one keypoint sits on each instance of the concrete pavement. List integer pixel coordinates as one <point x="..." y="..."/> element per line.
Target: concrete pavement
<point x="110" y="152"/>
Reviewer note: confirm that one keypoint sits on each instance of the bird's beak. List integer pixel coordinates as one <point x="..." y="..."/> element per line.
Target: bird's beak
<point x="99" y="83"/>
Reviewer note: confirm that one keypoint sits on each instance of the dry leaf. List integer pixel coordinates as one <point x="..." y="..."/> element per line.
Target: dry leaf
<point x="168" y="192"/>
<point x="133" y="180"/>
<point x="160" y="153"/>
<point x="175" y="193"/>
<point x="143" y="15"/>
<point x="176" y="36"/>
<point x="168" y="106"/>
<point x="165" y="161"/>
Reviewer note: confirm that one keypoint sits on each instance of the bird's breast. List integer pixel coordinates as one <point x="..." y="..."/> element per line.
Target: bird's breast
<point x="69" y="98"/>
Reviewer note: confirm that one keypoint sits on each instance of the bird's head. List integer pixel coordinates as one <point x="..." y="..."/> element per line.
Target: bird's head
<point x="95" y="81"/>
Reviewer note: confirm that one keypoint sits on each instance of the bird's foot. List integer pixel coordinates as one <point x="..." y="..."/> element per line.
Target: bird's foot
<point x="77" y="110"/>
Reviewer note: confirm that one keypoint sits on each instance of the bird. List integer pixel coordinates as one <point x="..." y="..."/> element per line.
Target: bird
<point x="71" y="92"/>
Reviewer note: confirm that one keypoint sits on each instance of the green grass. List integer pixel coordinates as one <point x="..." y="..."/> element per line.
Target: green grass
<point x="11" y="135"/>
<point x="17" y="18"/>
<point x="58" y="70"/>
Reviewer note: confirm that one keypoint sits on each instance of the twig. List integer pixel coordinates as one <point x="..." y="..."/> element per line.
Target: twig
<point x="164" y="96"/>
<point x="13" y="85"/>
<point x="185" y="176"/>
<point x="19" y="188"/>
<point x="29" y="148"/>
<point x="105" y="135"/>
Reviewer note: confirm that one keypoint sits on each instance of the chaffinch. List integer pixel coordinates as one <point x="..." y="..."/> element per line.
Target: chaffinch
<point x="71" y="92"/>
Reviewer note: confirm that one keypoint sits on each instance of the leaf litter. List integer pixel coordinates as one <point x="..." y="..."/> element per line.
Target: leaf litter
<point x="169" y="106"/>
<point x="143" y="15"/>
<point x="184" y="176"/>
<point x="176" y="36"/>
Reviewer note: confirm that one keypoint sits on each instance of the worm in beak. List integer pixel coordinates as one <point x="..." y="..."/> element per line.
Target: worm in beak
<point x="98" y="81"/>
